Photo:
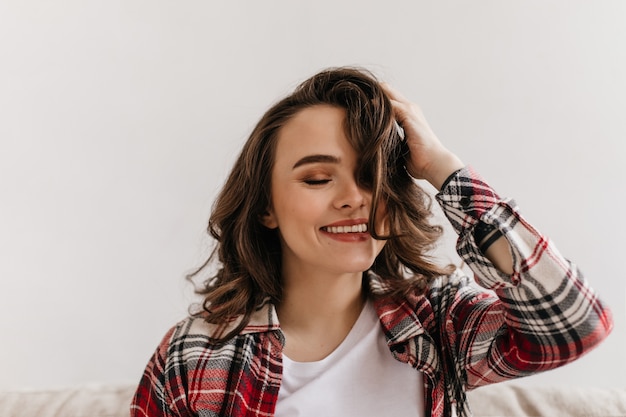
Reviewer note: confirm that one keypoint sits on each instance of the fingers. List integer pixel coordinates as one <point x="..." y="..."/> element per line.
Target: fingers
<point x="399" y="103"/>
<point x="403" y="108"/>
<point x="393" y="93"/>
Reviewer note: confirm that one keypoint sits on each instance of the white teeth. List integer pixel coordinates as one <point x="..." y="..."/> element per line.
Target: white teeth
<point x="357" y="228"/>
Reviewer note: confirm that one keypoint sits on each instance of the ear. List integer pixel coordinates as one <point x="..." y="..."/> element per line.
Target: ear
<point x="268" y="219"/>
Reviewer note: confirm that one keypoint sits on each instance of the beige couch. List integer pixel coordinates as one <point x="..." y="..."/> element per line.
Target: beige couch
<point x="502" y="400"/>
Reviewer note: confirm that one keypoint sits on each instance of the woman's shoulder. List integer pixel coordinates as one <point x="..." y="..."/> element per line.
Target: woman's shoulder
<point x="452" y="282"/>
<point x="457" y="287"/>
<point x="192" y="341"/>
<point x="195" y="325"/>
<point x="441" y="293"/>
<point x="197" y="332"/>
<point x="187" y="332"/>
<point x="456" y="279"/>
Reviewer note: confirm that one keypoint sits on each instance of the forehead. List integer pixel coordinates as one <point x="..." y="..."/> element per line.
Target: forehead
<point x="314" y="130"/>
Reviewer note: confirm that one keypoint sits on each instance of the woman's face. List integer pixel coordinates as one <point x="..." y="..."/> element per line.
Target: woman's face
<point x="320" y="211"/>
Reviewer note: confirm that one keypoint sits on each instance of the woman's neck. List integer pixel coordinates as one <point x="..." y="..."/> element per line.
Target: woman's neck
<point x="317" y="312"/>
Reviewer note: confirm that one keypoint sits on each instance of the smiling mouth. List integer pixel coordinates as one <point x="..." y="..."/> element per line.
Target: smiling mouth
<point x="356" y="228"/>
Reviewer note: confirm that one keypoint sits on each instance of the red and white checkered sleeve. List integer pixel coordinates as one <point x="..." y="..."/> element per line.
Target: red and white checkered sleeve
<point x="545" y="314"/>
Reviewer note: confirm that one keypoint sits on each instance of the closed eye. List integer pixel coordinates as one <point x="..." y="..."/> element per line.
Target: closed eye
<point x="316" y="182"/>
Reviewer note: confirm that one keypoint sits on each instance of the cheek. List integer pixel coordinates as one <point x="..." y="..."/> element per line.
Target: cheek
<point x="297" y="211"/>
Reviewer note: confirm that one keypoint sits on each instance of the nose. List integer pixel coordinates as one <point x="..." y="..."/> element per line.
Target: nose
<point x="350" y="195"/>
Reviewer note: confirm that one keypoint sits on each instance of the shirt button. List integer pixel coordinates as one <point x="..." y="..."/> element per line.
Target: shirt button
<point x="465" y="202"/>
<point x="398" y="348"/>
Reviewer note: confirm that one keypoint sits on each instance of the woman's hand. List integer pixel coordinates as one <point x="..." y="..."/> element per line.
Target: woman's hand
<point x="429" y="159"/>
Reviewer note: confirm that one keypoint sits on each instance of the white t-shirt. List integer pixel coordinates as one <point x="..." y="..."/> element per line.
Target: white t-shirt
<point x="359" y="378"/>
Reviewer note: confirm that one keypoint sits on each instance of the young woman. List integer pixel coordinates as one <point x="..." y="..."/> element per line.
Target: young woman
<point x="325" y="301"/>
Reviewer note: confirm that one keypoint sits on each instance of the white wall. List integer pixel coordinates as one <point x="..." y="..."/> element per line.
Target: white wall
<point x="120" y="119"/>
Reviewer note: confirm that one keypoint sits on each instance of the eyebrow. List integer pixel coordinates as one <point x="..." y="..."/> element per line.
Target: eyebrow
<point x="313" y="159"/>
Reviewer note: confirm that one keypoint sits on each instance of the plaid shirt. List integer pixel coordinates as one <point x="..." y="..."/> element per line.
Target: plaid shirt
<point x="460" y="336"/>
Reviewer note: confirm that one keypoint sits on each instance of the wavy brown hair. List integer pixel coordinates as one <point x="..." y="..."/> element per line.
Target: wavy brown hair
<point x="248" y="255"/>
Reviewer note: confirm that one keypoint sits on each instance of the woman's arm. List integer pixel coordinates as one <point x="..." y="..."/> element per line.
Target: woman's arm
<point x="545" y="313"/>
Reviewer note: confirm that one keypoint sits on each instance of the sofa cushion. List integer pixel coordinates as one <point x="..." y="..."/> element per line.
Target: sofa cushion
<point x="82" y="401"/>
<point x="506" y="400"/>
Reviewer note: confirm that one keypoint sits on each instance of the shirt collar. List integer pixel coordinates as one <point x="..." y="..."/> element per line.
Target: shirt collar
<point x="263" y="320"/>
<point x="398" y="318"/>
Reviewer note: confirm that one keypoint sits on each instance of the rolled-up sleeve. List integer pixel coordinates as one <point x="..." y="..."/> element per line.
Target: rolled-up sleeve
<point x="544" y="315"/>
